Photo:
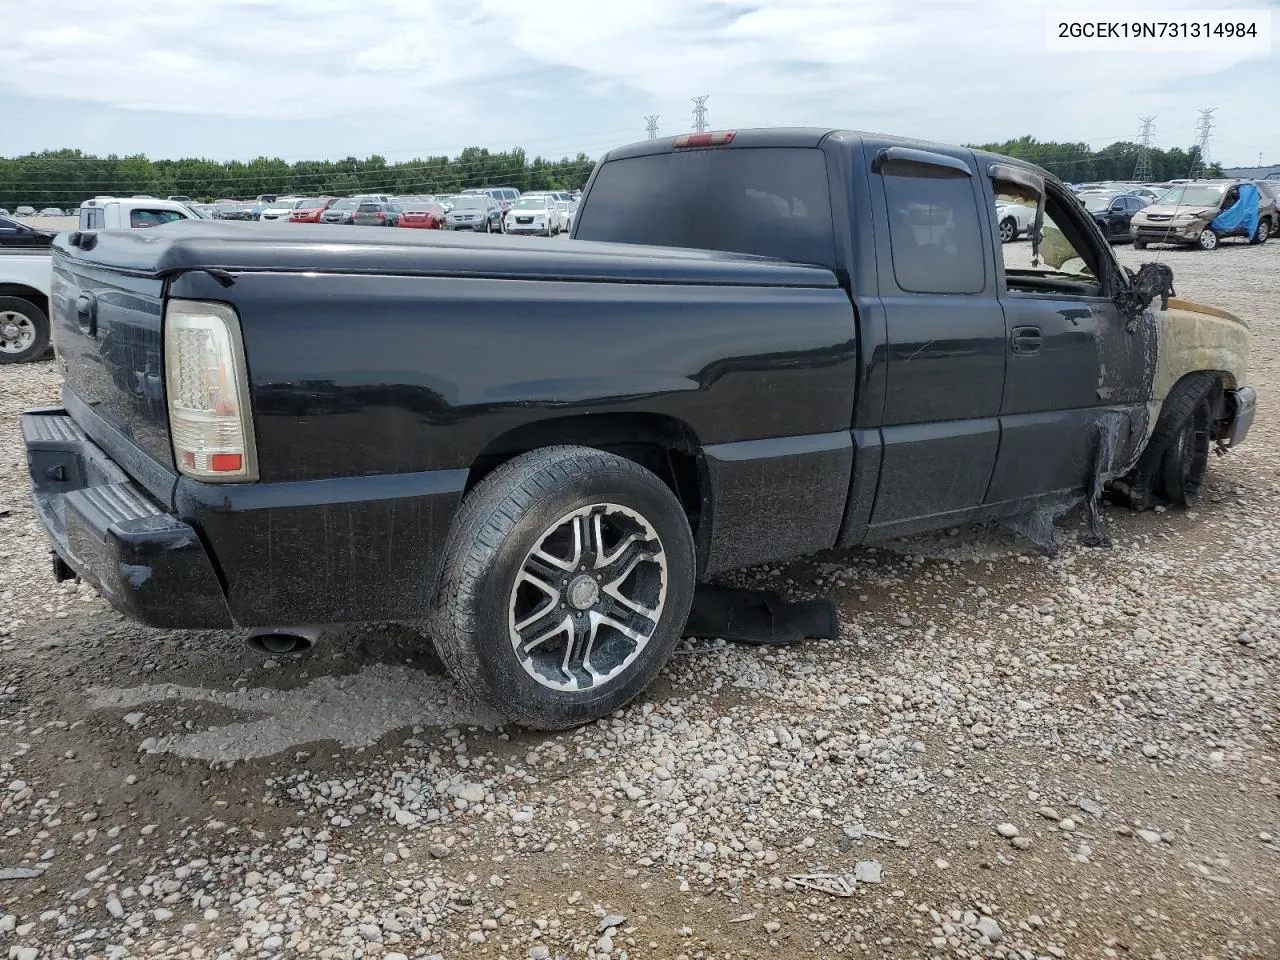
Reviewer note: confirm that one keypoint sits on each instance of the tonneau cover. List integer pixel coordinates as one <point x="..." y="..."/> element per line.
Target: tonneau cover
<point x="204" y="245"/>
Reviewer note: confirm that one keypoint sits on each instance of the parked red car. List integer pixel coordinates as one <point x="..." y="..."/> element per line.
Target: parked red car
<point x="424" y="216"/>
<point x="308" y="211"/>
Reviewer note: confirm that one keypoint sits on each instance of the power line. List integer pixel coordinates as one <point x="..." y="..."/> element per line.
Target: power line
<point x="651" y="127"/>
<point x="700" y="113"/>
<point x="1142" y="171"/>
<point x="1204" y="130"/>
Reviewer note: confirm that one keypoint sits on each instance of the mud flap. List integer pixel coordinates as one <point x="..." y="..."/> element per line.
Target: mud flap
<point x="759" y="617"/>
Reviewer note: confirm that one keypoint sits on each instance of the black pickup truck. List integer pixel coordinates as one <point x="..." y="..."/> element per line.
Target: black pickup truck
<point x="757" y="345"/>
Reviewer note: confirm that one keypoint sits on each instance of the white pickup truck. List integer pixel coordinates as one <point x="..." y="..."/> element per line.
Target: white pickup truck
<point x="26" y="274"/>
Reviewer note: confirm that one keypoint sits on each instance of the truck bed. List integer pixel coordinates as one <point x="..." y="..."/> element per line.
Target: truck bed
<point x="234" y="247"/>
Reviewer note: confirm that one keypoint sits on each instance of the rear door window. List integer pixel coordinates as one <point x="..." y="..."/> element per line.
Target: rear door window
<point x="770" y="201"/>
<point x="933" y="229"/>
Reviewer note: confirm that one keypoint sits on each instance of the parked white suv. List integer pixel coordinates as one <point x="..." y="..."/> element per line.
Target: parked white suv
<point x="1014" y="219"/>
<point x="280" y="210"/>
<point x="535" y="214"/>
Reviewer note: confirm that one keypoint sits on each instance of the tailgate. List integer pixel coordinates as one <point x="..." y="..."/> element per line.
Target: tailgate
<point x="106" y="330"/>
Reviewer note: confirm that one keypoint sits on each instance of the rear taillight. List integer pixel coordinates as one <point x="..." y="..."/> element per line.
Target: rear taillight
<point x="717" y="139"/>
<point x="207" y="386"/>
<point x="381" y="215"/>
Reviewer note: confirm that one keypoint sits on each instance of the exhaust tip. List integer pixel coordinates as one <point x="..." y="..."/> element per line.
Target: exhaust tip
<point x="282" y="641"/>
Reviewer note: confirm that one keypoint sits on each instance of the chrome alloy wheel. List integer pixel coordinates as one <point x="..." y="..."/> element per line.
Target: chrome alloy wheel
<point x="588" y="597"/>
<point x="17" y="332"/>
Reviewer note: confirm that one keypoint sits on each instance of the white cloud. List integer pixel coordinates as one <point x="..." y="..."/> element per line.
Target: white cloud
<point x="948" y="69"/>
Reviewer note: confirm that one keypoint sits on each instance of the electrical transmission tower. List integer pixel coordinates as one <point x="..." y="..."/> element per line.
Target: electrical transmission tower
<point x="1142" y="172"/>
<point x="651" y="126"/>
<point x="700" y="113"/>
<point x="1204" y="129"/>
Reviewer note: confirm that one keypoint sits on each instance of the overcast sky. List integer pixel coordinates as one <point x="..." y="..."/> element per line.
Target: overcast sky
<point x="331" y="78"/>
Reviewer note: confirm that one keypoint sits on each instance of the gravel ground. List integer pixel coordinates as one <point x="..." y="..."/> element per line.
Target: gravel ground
<point x="1006" y="754"/>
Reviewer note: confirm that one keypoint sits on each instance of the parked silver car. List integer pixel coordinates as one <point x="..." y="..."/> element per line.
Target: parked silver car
<point x="342" y="211"/>
<point x="475" y="211"/>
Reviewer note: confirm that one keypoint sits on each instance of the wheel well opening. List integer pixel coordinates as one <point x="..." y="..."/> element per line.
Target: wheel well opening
<point x="26" y="293"/>
<point x="665" y="446"/>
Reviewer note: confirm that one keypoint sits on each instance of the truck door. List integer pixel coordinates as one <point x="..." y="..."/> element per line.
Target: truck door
<point x="946" y="336"/>
<point x="1071" y="355"/>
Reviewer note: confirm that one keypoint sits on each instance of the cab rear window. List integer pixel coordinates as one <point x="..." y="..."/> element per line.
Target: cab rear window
<point x="768" y="201"/>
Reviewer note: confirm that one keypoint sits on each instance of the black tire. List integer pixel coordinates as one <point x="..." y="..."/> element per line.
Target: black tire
<point x="29" y="321"/>
<point x="488" y="226"/>
<point x="1208" y="239"/>
<point x="1172" y="466"/>
<point x="1139" y="244"/>
<point x="1262" y="233"/>
<point x="1008" y="230"/>
<point x="1186" y="458"/>
<point x="499" y="524"/>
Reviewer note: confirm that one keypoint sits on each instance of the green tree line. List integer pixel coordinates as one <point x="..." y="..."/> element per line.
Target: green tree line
<point x="66" y="178"/>
<point x="1080" y="163"/>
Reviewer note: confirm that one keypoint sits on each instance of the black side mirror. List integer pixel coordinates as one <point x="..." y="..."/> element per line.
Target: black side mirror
<point x="1151" y="280"/>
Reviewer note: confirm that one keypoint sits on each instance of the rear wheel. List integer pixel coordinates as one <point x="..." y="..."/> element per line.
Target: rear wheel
<point x="1263" y="232"/>
<point x="1008" y="230"/>
<point x="566" y="582"/>
<point x="24" y="331"/>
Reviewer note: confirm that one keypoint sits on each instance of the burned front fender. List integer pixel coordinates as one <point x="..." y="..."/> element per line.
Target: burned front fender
<point x="1195" y="337"/>
<point x="1191" y="338"/>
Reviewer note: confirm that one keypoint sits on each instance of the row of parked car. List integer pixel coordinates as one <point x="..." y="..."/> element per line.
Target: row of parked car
<point x="486" y="210"/>
<point x="28" y="211"/>
<point x="1192" y="213"/>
